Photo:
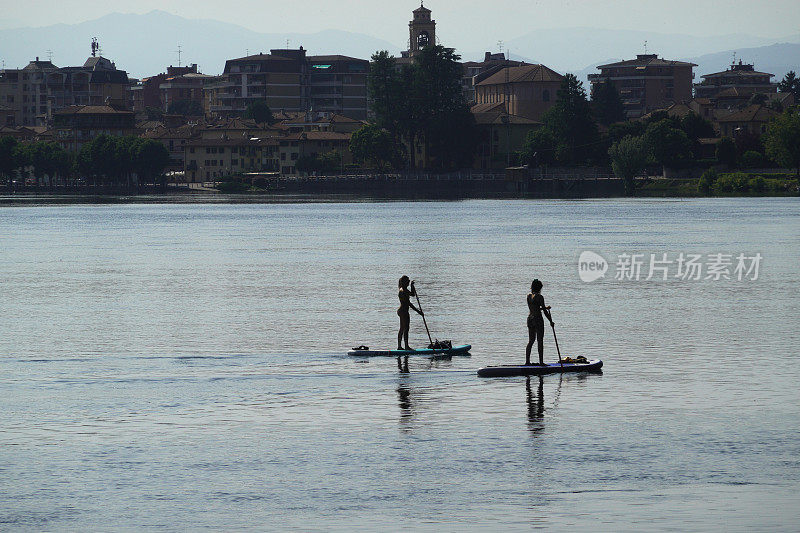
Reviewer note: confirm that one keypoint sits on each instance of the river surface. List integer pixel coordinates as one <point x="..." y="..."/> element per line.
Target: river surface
<point x="183" y="367"/>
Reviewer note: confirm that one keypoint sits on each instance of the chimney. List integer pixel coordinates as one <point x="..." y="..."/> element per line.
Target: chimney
<point x="488" y="56"/>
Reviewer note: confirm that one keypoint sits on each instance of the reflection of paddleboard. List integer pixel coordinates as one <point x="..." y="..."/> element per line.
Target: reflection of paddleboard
<point x="528" y="370"/>
<point x="455" y="350"/>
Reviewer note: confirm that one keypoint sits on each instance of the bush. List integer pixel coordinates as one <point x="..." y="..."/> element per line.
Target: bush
<point x="731" y="183"/>
<point x="757" y="184"/>
<point x="233" y="187"/>
<point x="752" y="159"/>
<point x="706" y="183"/>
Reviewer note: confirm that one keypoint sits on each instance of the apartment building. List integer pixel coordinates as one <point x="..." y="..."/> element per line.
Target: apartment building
<point x="338" y="84"/>
<point x="211" y="159"/>
<point x="39" y="90"/>
<point x="528" y="91"/>
<point x="280" y="78"/>
<point x="76" y="125"/>
<point x="735" y="85"/>
<point x="647" y="83"/>
<point x="477" y="71"/>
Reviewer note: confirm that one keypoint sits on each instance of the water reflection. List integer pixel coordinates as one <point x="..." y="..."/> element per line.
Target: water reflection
<point x="535" y="405"/>
<point x="407" y="410"/>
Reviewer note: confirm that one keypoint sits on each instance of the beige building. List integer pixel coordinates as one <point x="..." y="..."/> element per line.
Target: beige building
<point x="216" y="159"/>
<point x="527" y="90"/>
<point x="501" y="135"/>
<point x="752" y="120"/>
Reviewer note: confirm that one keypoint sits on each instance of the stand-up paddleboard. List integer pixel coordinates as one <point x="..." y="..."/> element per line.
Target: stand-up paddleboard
<point x="455" y="350"/>
<point x="593" y="365"/>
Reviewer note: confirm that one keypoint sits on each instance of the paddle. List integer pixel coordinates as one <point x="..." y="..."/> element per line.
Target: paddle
<point x="560" y="362"/>
<point x="419" y="305"/>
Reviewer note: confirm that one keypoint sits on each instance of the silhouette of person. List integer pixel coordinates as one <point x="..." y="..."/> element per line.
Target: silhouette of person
<point x="405" y="294"/>
<point x="536" y="307"/>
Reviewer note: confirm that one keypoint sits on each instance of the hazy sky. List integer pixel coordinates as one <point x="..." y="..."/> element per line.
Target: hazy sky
<point x="483" y="20"/>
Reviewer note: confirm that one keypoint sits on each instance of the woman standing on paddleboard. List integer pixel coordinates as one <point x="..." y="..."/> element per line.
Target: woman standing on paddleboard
<point x="405" y="302"/>
<point x="535" y="321"/>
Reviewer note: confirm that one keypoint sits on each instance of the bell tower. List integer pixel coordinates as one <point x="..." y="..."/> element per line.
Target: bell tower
<point x="422" y="30"/>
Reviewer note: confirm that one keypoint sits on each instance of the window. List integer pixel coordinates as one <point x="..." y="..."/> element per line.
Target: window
<point x="283" y="156"/>
<point x="191" y="150"/>
<point x="546" y="95"/>
<point x="234" y="162"/>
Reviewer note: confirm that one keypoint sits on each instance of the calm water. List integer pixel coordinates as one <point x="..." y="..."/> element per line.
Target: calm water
<point x="181" y="367"/>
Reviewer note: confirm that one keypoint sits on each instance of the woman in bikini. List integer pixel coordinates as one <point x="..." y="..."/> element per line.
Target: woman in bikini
<point x="405" y="294"/>
<point x="536" y="307"/>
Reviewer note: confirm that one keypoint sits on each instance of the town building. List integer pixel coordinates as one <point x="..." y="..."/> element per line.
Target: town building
<point x="185" y="88"/>
<point x="647" y="83"/>
<point x="734" y="86"/>
<point x="750" y="121"/>
<point x="477" y="71"/>
<point x="527" y="90"/>
<point x="338" y="84"/>
<point x="280" y="78"/>
<point x="36" y="92"/>
<point x="500" y="135"/>
<point x="213" y="159"/>
<point x="77" y="125"/>
<point x="148" y="92"/>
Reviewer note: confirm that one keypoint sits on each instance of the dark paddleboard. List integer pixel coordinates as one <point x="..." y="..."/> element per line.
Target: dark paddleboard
<point x="455" y="350"/>
<point x="532" y="370"/>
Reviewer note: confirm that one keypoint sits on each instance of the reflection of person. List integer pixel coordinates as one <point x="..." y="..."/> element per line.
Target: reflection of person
<point x="536" y="307"/>
<point x="405" y="294"/>
<point x="535" y="405"/>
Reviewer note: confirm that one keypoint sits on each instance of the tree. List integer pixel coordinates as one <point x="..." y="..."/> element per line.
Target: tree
<point x="571" y="122"/>
<point x="782" y="139"/>
<point x="696" y="127"/>
<point x="371" y="143"/>
<point x="423" y="105"/>
<point x="790" y="84"/>
<point x="185" y="107"/>
<point x="149" y="158"/>
<point x="668" y="145"/>
<point x="259" y="111"/>
<point x="539" y="148"/>
<point x="606" y="104"/>
<point x="628" y="157"/>
<point x="386" y="92"/>
<point x="726" y="152"/>
<point x="8" y="159"/>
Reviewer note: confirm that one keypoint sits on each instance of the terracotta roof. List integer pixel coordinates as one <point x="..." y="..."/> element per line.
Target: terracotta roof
<point x="314" y="59"/>
<point x="751" y="113"/>
<point x="737" y="73"/>
<point x="525" y="73"/>
<point x="675" y="110"/>
<point x="319" y="136"/>
<point x="261" y="57"/>
<point x="647" y="60"/>
<point x="490" y="118"/>
<point x="92" y="110"/>
<point x="421" y="9"/>
<point x="488" y="107"/>
<point x="235" y="141"/>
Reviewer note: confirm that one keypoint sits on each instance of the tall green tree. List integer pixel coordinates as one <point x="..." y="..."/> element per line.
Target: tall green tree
<point x="628" y="157"/>
<point x="669" y="146"/>
<point x="259" y="111"/>
<point x="422" y="105"/>
<point x="373" y="144"/>
<point x="572" y="124"/>
<point x="782" y="139"/>
<point x="606" y="104"/>
<point x="790" y="84"/>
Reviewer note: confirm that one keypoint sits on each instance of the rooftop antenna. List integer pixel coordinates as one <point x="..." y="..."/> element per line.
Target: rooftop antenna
<point x="287" y="44"/>
<point x="645" y="48"/>
<point x="50" y="55"/>
<point x="95" y="46"/>
<point x="500" y="46"/>
<point x="734" y="58"/>
<point x="179" y="55"/>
